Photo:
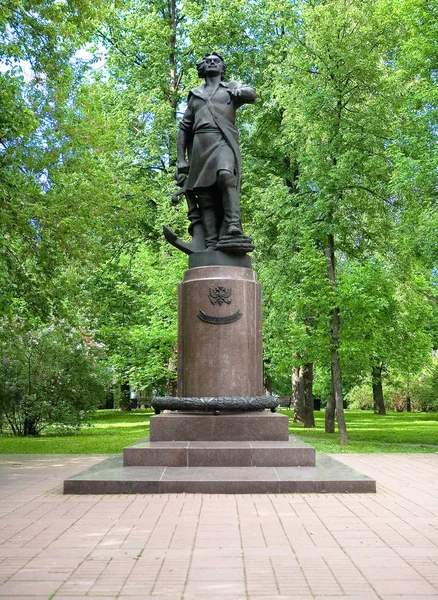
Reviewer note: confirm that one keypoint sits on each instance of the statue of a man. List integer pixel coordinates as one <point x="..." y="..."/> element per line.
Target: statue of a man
<point x="208" y="159"/>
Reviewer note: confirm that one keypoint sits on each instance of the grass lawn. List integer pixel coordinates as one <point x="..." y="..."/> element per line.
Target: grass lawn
<point x="370" y="433"/>
<point x="111" y="430"/>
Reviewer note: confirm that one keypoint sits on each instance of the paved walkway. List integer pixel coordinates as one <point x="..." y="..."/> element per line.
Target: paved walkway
<point x="206" y="547"/>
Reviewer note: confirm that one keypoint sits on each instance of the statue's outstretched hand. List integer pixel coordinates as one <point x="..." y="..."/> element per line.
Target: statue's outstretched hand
<point x="234" y="93"/>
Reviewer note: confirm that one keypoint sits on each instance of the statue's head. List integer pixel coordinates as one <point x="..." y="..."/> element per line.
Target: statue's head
<point x="211" y="62"/>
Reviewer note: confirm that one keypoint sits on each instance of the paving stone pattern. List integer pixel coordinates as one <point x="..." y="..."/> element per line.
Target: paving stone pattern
<point x="206" y="547"/>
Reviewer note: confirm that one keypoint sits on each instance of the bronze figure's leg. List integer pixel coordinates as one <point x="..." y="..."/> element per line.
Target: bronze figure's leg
<point x="209" y="215"/>
<point x="196" y="229"/>
<point x="227" y="184"/>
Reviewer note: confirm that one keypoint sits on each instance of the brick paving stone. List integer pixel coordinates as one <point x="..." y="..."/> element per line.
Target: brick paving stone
<point x="207" y="589"/>
<point x="100" y="597"/>
<point x="408" y="597"/>
<point x="215" y="574"/>
<point x="190" y="596"/>
<point x="193" y="546"/>
<point x="44" y="597"/>
<point x="360" y="596"/>
<point x="404" y="587"/>
<point x="27" y="589"/>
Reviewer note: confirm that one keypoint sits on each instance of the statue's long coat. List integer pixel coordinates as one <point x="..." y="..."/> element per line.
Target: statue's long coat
<point x="210" y="121"/>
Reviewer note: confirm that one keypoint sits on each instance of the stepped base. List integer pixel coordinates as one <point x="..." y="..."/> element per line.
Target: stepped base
<point x="292" y="453"/>
<point x="111" y="477"/>
<point x="191" y="427"/>
<point x="247" y="453"/>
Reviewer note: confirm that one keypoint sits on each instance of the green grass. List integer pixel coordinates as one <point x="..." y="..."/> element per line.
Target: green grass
<point x="370" y="433"/>
<point x="111" y="430"/>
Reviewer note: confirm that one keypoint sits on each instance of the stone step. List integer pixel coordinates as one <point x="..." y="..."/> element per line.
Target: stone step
<point x="197" y="427"/>
<point x="111" y="477"/>
<point x="292" y="453"/>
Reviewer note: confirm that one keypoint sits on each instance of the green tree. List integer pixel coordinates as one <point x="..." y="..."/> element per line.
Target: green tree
<point x="38" y="41"/>
<point x="50" y="375"/>
<point x="337" y="107"/>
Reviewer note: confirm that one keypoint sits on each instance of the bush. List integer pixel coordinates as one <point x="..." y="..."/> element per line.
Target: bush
<point x="397" y="402"/>
<point x="360" y="397"/>
<point x="424" y="389"/>
<point x="49" y="375"/>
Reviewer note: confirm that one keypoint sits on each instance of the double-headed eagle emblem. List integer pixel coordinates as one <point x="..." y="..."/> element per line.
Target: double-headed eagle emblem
<point x="219" y="295"/>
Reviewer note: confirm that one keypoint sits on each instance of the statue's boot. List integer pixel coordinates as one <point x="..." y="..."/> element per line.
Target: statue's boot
<point x="227" y="183"/>
<point x="208" y="216"/>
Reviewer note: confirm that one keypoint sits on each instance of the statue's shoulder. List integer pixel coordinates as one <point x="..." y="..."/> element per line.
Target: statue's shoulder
<point x="196" y="91"/>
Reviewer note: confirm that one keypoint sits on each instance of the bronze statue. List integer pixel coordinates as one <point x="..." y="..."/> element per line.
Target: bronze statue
<point x="208" y="162"/>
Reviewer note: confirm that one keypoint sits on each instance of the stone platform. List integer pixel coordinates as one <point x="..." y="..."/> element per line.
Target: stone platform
<point x="219" y="454"/>
<point x="111" y="477"/>
<point x="292" y="453"/>
<point x="248" y="426"/>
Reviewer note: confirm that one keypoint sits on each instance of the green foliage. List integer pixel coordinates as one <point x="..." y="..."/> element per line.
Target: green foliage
<point x="49" y="375"/>
<point x="37" y="44"/>
<point x="341" y="141"/>
<point x="394" y="317"/>
<point x="424" y="390"/>
<point x="137" y="314"/>
<point x="360" y="397"/>
<point x="344" y="138"/>
<point x="420" y="388"/>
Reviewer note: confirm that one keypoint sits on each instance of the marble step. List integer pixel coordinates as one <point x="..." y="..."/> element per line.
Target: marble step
<point x="111" y="477"/>
<point x="291" y="453"/>
<point x="192" y="427"/>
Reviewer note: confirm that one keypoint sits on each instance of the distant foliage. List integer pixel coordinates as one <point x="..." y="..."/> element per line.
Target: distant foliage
<point x="421" y="389"/>
<point x="360" y="397"/>
<point x="50" y="375"/>
<point x="424" y="393"/>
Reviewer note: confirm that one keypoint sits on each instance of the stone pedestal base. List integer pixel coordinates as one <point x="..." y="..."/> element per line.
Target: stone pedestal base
<point x="257" y="426"/>
<point x="220" y="335"/>
<point x="292" y="453"/>
<point x="227" y="454"/>
<point x="219" y="370"/>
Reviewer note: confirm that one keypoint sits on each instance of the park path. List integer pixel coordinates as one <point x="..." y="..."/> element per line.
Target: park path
<point x="208" y="547"/>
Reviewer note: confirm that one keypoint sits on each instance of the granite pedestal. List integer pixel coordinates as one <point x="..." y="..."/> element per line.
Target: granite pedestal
<point x="220" y="333"/>
<point x="244" y="448"/>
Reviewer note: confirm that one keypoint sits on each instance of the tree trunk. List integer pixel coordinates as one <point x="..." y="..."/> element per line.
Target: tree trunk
<point x="302" y="388"/>
<point x="268" y="385"/>
<point x="125" y="397"/>
<point x="172" y="378"/>
<point x="379" y="404"/>
<point x="298" y="394"/>
<point x="336" y="365"/>
<point x="173" y="88"/>
<point x="330" y="409"/>
<point x="30" y="427"/>
<point x="307" y="374"/>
